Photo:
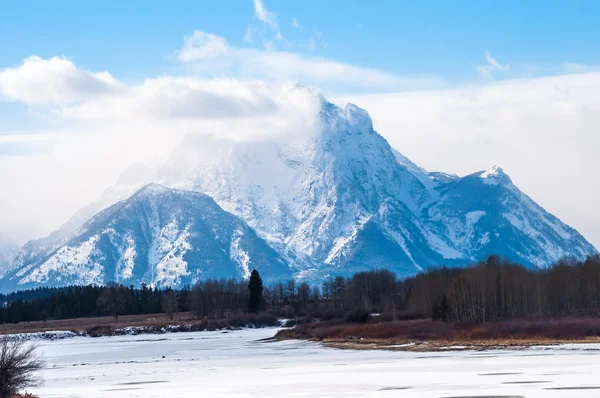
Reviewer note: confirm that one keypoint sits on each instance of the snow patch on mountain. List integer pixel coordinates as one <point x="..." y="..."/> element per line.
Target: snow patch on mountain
<point x="440" y="246"/>
<point x="474" y="216"/>
<point x="126" y="260"/>
<point x="74" y="263"/>
<point x="167" y="252"/>
<point x="239" y="255"/>
<point x="398" y="237"/>
<point x="491" y="175"/>
<point x="343" y="242"/>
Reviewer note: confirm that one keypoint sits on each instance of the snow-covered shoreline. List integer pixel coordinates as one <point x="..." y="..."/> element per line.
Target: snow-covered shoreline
<point x="241" y="363"/>
<point x="47" y="335"/>
<point x="125" y="331"/>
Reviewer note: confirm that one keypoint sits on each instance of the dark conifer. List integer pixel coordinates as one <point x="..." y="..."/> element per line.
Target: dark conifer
<point x="435" y="312"/>
<point x="255" y="288"/>
<point x="444" y="309"/>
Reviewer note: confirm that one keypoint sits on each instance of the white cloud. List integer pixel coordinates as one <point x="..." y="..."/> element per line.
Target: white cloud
<point x="296" y="24"/>
<point x="250" y="33"/>
<point x="225" y="107"/>
<point x="92" y="138"/>
<point x="492" y="66"/>
<point x="200" y="46"/>
<point x="53" y="81"/>
<point x="43" y="189"/>
<point x="251" y="63"/>
<point x="85" y="97"/>
<point x="263" y="15"/>
<point x="543" y="132"/>
<point x="269" y="34"/>
<point x="573" y="67"/>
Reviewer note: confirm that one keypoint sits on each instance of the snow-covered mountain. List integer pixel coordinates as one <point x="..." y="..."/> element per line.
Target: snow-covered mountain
<point x="310" y="197"/>
<point x="341" y="200"/>
<point x="331" y="201"/>
<point x="8" y="252"/>
<point x="160" y="236"/>
<point x="485" y="213"/>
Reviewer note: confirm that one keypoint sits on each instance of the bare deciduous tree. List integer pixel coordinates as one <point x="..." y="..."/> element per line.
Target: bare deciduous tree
<point x="170" y="303"/>
<point x="114" y="298"/>
<point x="19" y="364"/>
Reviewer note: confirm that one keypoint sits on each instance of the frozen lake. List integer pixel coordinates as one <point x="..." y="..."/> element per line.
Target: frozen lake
<point x="217" y="364"/>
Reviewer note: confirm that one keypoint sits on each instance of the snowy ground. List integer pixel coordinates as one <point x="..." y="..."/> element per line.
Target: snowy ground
<point x="218" y="364"/>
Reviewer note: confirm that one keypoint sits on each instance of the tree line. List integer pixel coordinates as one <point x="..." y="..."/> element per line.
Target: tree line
<point x="488" y="291"/>
<point x="207" y="299"/>
<point x="498" y="290"/>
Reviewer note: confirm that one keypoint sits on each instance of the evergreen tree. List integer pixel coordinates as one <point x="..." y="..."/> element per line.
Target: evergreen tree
<point x="435" y="312"/>
<point x="255" y="287"/>
<point x="444" y="309"/>
<point x="114" y="299"/>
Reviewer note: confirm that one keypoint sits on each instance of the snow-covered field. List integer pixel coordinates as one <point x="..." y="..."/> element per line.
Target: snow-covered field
<point x="219" y="364"/>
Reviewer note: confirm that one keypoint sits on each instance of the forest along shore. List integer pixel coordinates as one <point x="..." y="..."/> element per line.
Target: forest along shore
<point x="489" y="304"/>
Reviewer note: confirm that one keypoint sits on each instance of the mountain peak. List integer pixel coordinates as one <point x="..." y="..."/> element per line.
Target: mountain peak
<point x="350" y="118"/>
<point x="495" y="176"/>
<point x="152" y="188"/>
<point x="494" y="171"/>
<point x="358" y="117"/>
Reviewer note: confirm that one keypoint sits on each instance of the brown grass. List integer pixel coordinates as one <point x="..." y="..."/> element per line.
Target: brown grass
<point x="102" y="326"/>
<point x="82" y="324"/>
<point x="428" y="335"/>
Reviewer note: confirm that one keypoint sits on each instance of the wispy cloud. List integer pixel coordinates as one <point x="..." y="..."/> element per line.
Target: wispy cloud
<point x="574" y="67"/>
<point x="200" y="46"/>
<point x="264" y="15"/>
<point x="209" y="54"/>
<point x="269" y="33"/>
<point x="296" y="24"/>
<point x="492" y="66"/>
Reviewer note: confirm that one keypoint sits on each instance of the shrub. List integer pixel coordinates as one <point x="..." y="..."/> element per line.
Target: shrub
<point x="329" y="315"/>
<point x="358" y="315"/>
<point x="19" y="364"/>
<point x="100" y="331"/>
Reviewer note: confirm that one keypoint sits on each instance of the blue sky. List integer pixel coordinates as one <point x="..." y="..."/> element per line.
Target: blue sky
<point x="89" y="87"/>
<point x="135" y="39"/>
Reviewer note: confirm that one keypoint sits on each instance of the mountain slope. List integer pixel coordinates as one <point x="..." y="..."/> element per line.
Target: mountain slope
<point x="485" y="213"/>
<point x="159" y="236"/>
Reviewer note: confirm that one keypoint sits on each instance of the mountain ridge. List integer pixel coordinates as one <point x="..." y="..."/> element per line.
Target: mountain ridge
<point x="159" y="236"/>
<point x="341" y="200"/>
